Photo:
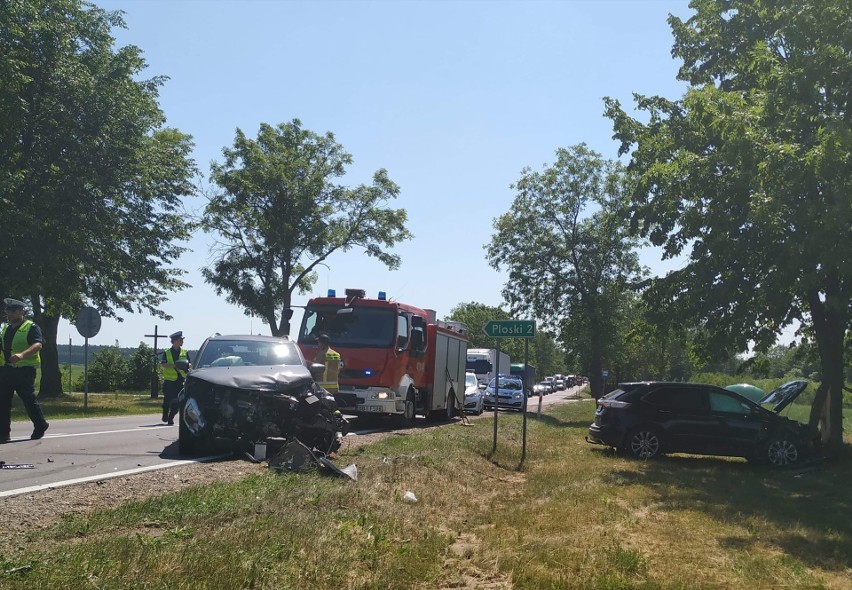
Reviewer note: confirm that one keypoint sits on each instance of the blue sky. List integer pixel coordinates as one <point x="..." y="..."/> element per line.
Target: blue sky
<point x="454" y="99"/>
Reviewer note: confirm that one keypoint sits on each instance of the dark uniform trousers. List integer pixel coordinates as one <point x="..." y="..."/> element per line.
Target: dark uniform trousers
<point x="171" y="389"/>
<point x="21" y="380"/>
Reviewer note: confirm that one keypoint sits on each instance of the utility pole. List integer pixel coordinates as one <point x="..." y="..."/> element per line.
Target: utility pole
<point x="155" y="381"/>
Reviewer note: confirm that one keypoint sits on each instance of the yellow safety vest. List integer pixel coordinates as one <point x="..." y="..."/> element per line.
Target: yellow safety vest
<point x="170" y="373"/>
<point x="331" y="360"/>
<point x="20" y="344"/>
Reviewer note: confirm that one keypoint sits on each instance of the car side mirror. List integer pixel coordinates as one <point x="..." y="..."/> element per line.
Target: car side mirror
<point x="182" y="365"/>
<point x="317" y="370"/>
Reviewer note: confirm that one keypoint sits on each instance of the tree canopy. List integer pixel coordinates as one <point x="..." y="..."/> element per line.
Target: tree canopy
<point x="90" y="179"/>
<point x="279" y="214"/>
<point x="565" y="245"/>
<point x="749" y="175"/>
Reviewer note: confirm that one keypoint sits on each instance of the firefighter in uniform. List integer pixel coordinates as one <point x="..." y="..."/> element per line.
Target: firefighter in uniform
<point x="21" y="342"/>
<point x="331" y="359"/>
<point x="172" y="376"/>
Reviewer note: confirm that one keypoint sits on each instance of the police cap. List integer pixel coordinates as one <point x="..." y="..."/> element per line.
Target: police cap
<point x="176" y="336"/>
<point x="14" y="303"/>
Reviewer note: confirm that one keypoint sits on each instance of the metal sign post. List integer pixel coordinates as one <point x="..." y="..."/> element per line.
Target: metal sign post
<point x="88" y="325"/>
<point x="510" y="329"/>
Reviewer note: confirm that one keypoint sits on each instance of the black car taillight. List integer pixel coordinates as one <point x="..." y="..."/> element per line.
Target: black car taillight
<point x="613" y="404"/>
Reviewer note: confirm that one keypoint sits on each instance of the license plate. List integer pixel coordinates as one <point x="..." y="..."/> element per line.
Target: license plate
<point x="371" y="408"/>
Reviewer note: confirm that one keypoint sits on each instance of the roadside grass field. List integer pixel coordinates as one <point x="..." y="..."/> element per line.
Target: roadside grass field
<point x="572" y="515"/>
<point x="73" y="405"/>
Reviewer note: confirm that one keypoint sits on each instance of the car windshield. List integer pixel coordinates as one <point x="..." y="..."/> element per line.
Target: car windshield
<point x="470" y="381"/>
<point x="507" y="384"/>
<point x="231" y="353"/>
<point x="359" y="327"/>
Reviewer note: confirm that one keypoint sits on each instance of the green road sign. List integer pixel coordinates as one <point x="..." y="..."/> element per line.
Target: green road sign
<point x="509" y="328"/>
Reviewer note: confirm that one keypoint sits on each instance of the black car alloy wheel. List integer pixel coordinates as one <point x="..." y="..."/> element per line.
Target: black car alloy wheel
<point x="782" y="451"/>
<point x="644" y="443"/>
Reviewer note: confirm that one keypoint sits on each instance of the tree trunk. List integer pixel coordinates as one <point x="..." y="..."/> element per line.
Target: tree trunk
<point x="51" y="376"/>
<point x="829" y="324"/>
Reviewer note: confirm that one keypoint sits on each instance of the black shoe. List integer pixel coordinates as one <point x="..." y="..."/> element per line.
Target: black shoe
<point x="171" y="422"/>
<point x="39" y="431"/>
<point x="165" y="417"/>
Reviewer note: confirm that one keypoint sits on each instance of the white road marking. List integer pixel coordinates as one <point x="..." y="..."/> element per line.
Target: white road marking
<point x="71" y="482"/>
<point x="70" y="434"/>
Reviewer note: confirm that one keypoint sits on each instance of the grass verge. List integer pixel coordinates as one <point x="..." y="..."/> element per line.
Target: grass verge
<point x="571" y="516"/>
<point x="71" y="405"/>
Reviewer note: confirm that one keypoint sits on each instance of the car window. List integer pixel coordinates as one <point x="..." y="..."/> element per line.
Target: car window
<point x="470" y="380"/>
<point x="684" y="399"/>
<point x="722" y="402"/>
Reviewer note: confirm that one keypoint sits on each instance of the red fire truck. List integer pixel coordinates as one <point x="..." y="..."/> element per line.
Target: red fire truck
<point x="397" y="359"/>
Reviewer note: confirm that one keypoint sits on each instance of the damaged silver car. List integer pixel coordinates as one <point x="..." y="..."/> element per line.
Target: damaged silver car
<point x="243" y="390"/>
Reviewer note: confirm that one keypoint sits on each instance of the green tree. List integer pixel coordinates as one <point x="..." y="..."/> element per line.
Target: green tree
<point x="90" y="180"/>
<point x="749" y="173"/>
<point x="565" y="245"/>
<point x="140" y="367"/>
<point x="108" y="370"/>
<point x="279" y="215"/>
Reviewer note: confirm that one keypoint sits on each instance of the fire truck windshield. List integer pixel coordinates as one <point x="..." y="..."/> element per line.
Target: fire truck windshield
<point x="368" y="327"/>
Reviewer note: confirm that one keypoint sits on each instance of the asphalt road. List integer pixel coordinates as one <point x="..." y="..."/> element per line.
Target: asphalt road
<point x="87" y="449"/>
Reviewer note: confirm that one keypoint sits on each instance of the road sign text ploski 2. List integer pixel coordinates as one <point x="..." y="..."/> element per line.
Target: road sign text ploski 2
<point x="510" y="328"/>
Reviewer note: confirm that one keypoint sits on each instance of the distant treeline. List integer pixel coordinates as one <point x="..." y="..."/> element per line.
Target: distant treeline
<point x="75" y="357"/>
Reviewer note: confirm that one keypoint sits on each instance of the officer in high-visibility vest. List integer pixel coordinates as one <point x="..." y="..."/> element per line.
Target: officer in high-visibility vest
<point x="172" y="376"/>
<point x="21" y="340"/>
<point x="331" y="359"/>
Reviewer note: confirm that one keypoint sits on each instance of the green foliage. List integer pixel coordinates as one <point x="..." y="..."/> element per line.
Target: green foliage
<point x="140" y="366"/>
<point x="570" y="260"/>
<point x="748" y="175"/>
<point x="108" y="370"/>
<point x="279" y="215"/>
<point x="93" y="176"/>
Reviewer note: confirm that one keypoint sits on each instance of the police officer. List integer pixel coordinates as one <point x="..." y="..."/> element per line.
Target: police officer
<point x="21" y="340"/>
<point x="331" y="359"/>
<point x="172" y="376"/>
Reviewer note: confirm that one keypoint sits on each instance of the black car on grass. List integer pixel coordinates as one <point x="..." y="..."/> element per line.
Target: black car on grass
<point x="652" y="418"/>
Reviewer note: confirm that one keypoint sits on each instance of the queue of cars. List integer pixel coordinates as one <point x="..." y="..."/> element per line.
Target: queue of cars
<point x="510" y="394"/>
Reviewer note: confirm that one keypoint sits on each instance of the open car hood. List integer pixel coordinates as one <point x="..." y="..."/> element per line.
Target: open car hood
<point x="783" y="396"/>
<point x="260" y="378"/>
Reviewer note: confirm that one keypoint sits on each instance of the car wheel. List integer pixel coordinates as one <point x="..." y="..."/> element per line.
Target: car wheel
<point x="187" y="443"/>
<point x="782" y="451"/>
<point x="644" y="443"/>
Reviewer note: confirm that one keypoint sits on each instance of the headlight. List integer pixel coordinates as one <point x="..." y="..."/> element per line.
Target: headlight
<point x="380" y="395"/>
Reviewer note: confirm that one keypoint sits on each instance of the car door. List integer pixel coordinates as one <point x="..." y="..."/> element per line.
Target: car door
<point x="683" y="413"/>
<point x="738" y="425"/>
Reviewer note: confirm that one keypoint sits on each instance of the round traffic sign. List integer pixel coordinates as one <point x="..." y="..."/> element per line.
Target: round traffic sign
<point x="88" y="322"/>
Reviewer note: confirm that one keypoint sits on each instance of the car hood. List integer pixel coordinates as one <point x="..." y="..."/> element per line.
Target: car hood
<point x="783" y="396"/>
<point x="260" y="378"/>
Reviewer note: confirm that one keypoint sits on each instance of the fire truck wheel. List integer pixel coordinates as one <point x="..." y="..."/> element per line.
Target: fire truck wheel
<point x="410" y="410"/>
